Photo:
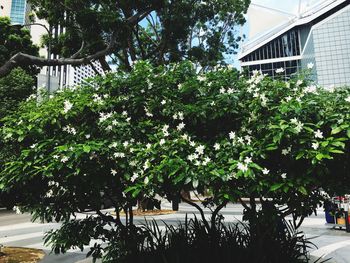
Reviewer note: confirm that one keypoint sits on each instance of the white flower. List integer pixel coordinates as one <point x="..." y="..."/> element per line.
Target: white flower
<point x="232" y="135"/>
<point x="64" y="159"/>
<point x="206" y="161"/>
<point x="202" y="78"/>
<point x="212" y="103"/>
<point x="113" y="172"/>
<point x="299" y="127"/>
<point x="166" y="133"/>
<point x="125" y="113"/>
<point x="230" y="91"/>
<point x="161" y="142"/>
<point x="87" y="136"/>
<point x="185" y="137"/>
<point x="240" y="140"/>
<point x="265" y="171"/>
<point x="67" y="106"/>
<point x="315" y="145"/>
<point x="248" y="160"/>
<point x="299" y="82"/>
<point x="289" y="98"/>
<point x="284" y="175"/>
<point x="125" y="144"/>
<point x="146" y="165"/>
<point x="33" y="146"/>
<point x="146" y="180"/>
<point x="128" y="119"/>
<point x="285" y="151"/>
<point x="133" y="163"/>
<point x="311" y="89"/>
<point x="165" y="128"/>
<point x="294" y="121"/>
<point x="347" y="99"/>
<point x="113" y="145"/>
<point x="56" y="156"/>
<point x="134" y="177"/>
<point x="242" y="167"/>
<point x="310" y="65"/>
<point x="175" y="116"/>
<point x="190" y="157"/>
<point x="148" y="146"/>
<point x="318" y="134"/>
<point x="119" y="155"/>
<point x="222" y="91"/>
<point x="279" y="70"/>
<point x="216" y="146"/>
<point x="200" y="149"/>
<point x="180" y="115"/>
<point x="180" y="126"/>
<point x="192" y="144"/>
<point x="163" y="102"/>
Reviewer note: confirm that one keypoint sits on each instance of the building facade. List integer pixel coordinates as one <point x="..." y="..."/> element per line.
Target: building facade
<point x="320" y="36"/>
<point x="17" y="10"/>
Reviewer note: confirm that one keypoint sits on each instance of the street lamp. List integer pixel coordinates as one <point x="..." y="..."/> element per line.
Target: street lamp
<point x="48" y="30"/>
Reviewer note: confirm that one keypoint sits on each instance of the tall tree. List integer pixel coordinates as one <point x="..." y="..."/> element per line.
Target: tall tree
<point x="14" y="39"/>
<point x="161" y="31"/>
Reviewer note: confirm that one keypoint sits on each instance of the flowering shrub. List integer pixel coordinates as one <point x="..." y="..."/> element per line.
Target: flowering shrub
<point x="163" y="130"/>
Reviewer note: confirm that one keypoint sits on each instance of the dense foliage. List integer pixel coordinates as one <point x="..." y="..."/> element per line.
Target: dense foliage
<point x="161" y="130"/>
<point x="14" y="88"/>
<point x="14" y="39"/>
<point x="159" y="30"/>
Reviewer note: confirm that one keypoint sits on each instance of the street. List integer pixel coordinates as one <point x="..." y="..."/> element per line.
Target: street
<point x="17" y="230"/>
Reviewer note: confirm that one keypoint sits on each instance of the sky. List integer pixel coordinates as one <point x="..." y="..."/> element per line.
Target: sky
<point x="285" y="5"/>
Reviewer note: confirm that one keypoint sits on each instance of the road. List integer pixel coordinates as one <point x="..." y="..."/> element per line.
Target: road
<point x="17" y="230"/>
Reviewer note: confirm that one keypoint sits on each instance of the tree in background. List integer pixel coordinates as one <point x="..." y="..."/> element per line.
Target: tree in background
<point x="19" y="84"/>
<point x="161" y="31"/>
<point x="14" y="39"/>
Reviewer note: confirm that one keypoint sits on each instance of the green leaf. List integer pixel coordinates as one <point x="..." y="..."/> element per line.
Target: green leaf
<point x="86" y="148"/>
<point x="319" y="156"/>
<point x="336" y="130"/>
<point x="335" y="151"/>
<point x="276" y="187"/>
<point x="188" y="180"/>
<point x="302" y="190"/>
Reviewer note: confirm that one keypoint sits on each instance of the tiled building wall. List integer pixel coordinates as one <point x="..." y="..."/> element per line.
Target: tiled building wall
<point x="332" y="50"/>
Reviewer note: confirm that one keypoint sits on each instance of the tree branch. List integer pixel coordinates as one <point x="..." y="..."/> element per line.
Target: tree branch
<point x="198" y="208"/>
<point x="244" y="204"/>
<point x="21" y="59"/>
<point x="76" y="54"/>
<point x="216" y="211"/>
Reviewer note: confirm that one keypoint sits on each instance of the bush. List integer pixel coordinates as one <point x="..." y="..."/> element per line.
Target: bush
<point x="165" y="130"/>
<point x="192" y="242"/>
